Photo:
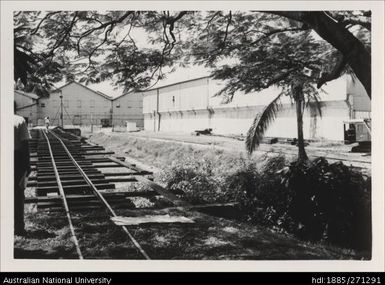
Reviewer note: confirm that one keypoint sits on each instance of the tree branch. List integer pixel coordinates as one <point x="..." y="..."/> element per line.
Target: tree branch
<point x="103" y="26"/>
<point x="334" y="74"/>
<point x="277" y="78"/>
<point x="34" y="31"/>
<point x="353" y="50"/>
<point x="269" y="34"/>
<point x="66" y="33"/>
<point x="211" y="19"/>
<point x="227" y="29"/>
<point x="366" y="25"/>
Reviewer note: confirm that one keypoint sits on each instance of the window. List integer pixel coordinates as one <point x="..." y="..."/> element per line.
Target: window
<point x="42" y="105"/>
<point x="118" y="105"/>
<point x="92" y="103"/>
<point x="173" y="101"/>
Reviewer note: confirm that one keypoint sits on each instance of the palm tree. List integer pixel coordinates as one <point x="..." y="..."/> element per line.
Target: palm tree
<point x="263" y="120"/>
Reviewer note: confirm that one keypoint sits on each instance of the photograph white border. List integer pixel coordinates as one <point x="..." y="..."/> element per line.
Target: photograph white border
<point x="7" y="263"/>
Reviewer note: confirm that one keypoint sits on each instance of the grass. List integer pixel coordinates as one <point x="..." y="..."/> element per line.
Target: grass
<point x="162" y="154"/>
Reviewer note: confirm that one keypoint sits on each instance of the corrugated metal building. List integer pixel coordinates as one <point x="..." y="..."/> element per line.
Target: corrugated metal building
<point x="191" y="105"/>
<point x="128" y="107"/>
<point x="81" y="105"/>
<point x="84" y="106"/>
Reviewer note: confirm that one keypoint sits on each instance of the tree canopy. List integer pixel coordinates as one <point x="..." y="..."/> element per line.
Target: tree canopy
<point x="92" y="46"/>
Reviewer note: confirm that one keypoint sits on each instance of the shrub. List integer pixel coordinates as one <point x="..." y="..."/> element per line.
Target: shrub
<point x="260" y="192"/>
<point x="194" y="178"/>
<point x="313" y="200"/>
<point x="330" y="202"/>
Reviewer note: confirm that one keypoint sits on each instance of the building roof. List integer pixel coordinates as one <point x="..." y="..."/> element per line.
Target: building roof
<point x="127" y="93"/>
<point x="161" y="86"/>
<point x="29" y="95"/>
<point x="121" y="95"/>
<point x="96" y="92"/>
<point x="158" y="86"/>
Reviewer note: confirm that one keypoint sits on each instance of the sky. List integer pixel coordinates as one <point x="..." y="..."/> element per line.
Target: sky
<point x="180" y="74"/>
<point x="141" y="40"/>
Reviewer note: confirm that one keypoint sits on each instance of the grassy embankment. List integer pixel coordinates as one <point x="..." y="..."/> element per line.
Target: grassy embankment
<point x="268" y="187"/>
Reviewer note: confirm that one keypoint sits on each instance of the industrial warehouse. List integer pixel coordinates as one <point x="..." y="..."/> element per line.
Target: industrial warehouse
<point x="192" y="105"/>
<point x="192" y="135"/>
<point x="79" y="105"/>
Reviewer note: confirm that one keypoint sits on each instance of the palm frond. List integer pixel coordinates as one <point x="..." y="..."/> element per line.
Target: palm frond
<point x="261" y="123"/>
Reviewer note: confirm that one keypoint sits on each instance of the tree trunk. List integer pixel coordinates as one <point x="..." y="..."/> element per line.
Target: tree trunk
<point x="297" y="89"/>
<point x="342" y="39"/>
<point x="354" y="52"/>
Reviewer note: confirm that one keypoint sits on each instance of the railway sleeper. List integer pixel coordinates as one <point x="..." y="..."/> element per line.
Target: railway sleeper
<point x="93" y="160"/>
<point x="62" y="163"/>
<point x="47" y="156"/>
<point x="97" y="207"/>
<point x="73" y="167"/>
<point x="107" y="195"/>
<point x="82" y="203"/>
<point x="69" y="182"/>
<point x="78" y="181"/>
<point x="51" y="176"/>
<point x="67" y="177"/>
<point x="72" y="189"/>
<point x="68" y="172"/>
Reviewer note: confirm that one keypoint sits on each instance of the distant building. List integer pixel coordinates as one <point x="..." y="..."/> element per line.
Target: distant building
<point x="191" y="105"/>
<point x="128" y="107"/>
<point x="81" y="105"/>
<point x="27" y="105"/>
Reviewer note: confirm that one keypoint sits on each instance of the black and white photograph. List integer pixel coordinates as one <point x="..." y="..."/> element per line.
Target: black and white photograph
<point x="193" y="134"/>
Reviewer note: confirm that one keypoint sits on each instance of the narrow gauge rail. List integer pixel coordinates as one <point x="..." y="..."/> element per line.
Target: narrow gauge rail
<point x="62" y="166"/>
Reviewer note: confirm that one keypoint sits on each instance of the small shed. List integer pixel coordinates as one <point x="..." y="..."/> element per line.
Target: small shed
<point x="27" y="106"/>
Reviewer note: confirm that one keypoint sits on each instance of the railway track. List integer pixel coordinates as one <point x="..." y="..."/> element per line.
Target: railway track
<point x="68" y="177"/>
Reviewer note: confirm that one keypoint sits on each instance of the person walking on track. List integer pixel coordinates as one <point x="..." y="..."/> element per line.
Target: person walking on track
<point x="46" y="121"/>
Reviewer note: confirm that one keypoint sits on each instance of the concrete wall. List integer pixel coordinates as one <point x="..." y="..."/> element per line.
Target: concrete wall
<point x="128" y="107"/>
<point x="191" y="105"/>
<point x="81" y="106"/>
<point x="360" y="103"/>
<point x="27" y="107"/>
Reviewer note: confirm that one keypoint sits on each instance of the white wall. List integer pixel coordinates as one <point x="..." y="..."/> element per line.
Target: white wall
<point x="149" y="101"/>
<point x="193" y="99"/>
<point x="191" y="95"/>
<point x="359" y="98"/>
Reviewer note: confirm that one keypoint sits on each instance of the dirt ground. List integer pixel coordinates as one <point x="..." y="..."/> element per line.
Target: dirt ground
<point x="210" y="237"/>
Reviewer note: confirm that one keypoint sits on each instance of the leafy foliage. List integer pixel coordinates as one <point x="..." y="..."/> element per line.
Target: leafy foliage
<point x="330" y="201"/>
<point x="261" y="123"/>
<point x="315" y="201"/>
<point x="94" y="46"/>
